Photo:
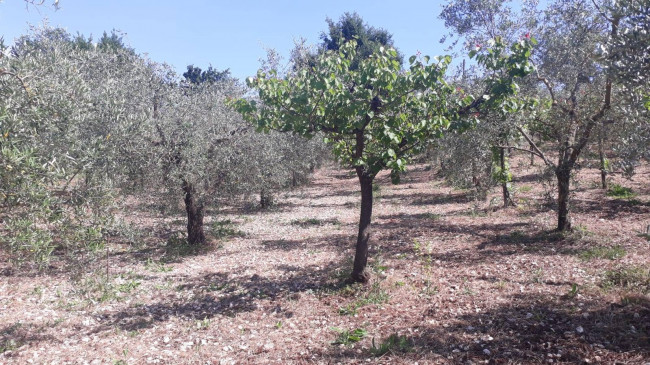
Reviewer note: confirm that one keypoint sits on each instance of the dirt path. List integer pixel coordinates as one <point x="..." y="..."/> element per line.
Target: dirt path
<point x="452" y="283"/>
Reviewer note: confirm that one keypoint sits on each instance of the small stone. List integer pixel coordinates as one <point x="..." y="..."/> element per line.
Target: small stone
<point x="487" y="352"/>
<point x="579" y="329"/>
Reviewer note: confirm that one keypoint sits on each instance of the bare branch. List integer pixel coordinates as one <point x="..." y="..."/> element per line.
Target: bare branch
<point x="534" y="147"/>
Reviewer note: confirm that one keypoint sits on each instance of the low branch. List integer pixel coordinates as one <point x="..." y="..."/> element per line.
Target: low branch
<point x="522" y="150"/>
<point x="534" y="147"/>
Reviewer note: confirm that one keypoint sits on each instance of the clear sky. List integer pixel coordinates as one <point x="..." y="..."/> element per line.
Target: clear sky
<point x="226" y="34"/>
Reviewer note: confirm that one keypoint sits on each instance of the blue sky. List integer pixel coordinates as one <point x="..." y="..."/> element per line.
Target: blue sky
<point x="226" y="34"/>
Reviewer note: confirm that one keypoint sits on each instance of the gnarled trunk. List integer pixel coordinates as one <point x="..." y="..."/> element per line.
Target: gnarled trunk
<point x="194" y="208"/>
<point x="359" y="273"/>
<point x="563" y="175"/>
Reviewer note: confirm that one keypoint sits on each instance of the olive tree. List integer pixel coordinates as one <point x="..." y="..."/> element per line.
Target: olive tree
<point x="373" y="115"/>
<point x="69" y="111"/>
<point x="577" y="94"/>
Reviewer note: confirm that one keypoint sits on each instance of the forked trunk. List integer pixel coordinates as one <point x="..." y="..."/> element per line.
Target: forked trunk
<point x="359" y="273"/>
<point x="563" y="175"/>
<point x="195" y="234"/>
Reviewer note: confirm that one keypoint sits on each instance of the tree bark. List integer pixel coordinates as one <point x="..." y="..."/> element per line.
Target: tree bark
<point x="195" y="234"/>
<point x="601" y="155"/>
<point x="359" y="273"/>
<point x="507" y="200"/>
<point x="563" y="175"/>
<point x="266" y="198"/>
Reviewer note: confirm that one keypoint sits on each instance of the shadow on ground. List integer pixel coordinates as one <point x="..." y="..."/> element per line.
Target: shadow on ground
<point x="530" y="328"/>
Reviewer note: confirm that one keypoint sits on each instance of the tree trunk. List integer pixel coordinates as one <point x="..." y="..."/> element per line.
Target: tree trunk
<point x="195" y="234"/>
<point x="359" y="273"/>
<point x="563" y="175"/>
<point x="507" y="200"/>
<point x="266" y="199"/>
<point x="601" y="155"/>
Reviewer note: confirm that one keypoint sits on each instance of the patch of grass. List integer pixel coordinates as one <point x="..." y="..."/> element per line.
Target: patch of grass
<point x="525" y="188"/>
<point x="631" y="278"/>
<point x="9" y="344"/>
<point x="375" y="295"/>
<point x="99" y="288"/>
<point x="610" y="253"/>
<point x="348" y="337"/>
<point x="307" y="222"/>
<point x="620" y="192"/>
<point x="156" y="266"/>
<point x="432" y="216"/>
<point x="393" y="344"/>
<point x="225" y="229"/>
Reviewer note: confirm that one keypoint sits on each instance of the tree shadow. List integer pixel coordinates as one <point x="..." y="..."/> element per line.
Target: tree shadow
<point x="528" y="328"/>
<point x="329" y="242"/>
<point x="495" y="239"/>
<point x="611" y="208"/>
<point x="419" y="199"/>
<point x="223" y="294"/>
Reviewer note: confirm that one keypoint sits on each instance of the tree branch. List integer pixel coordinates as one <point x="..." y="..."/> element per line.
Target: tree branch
<point x="534" y="147"/>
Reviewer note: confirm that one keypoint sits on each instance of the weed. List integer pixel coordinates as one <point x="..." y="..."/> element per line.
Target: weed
<point x="432" y="216"/>
<point x="573" y="291"/>
<point x="225" y="229"/>
<point x="203" y="324"/>
<point x="306" y="222"/>
<point x="538" y="276"/>
<point x="375" y="295"/>
<point x="399" y="283"/>
<point x="156" y="266"/>
<point x="620" y="192"/>
<point x="347" y="337"/>
<point x="278" y="325"/>
<point x="377" y="265"/>
<point x="215" y="287"/>
<point x="394" y="343"/>
<point x="429" y="289"/>
<point x="525" y="188"/>
<point x="38" y="291"/>
<point x="349" y="310"/>
<point x="610" y="253"/>
<point x="632" y="278"/>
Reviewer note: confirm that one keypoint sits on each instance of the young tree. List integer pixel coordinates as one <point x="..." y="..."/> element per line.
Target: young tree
<point x="373" y="115"/>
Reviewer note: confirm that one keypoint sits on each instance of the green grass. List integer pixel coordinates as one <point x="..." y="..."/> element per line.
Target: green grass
<point x="609" y="253"/>
<point x="156" y="266"/>
<point x="636" y="279"/>
<point x="375" y="295"/>
<point x="394" y="343"/>
<point x="432" y="216"/>
<point x="525" y="188"/>
<point x="348" y="337"/>
<point x="307" y="222"/>
<point x="620" y="192"/>
<point x="225" y="229"/>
